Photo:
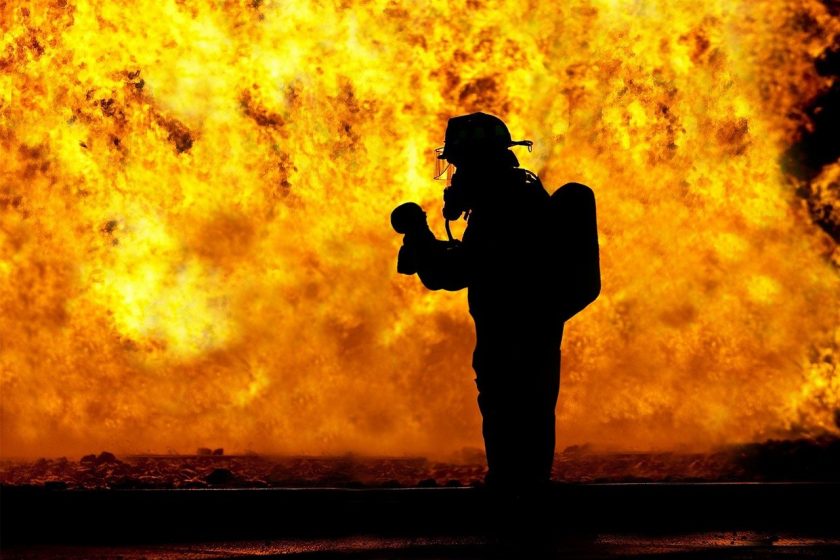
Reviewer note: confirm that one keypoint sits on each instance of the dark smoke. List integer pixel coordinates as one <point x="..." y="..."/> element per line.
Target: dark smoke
<point x="818" y="145"/>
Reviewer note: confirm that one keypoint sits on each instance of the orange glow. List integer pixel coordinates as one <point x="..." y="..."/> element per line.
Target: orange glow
<point x="195" y="247"/>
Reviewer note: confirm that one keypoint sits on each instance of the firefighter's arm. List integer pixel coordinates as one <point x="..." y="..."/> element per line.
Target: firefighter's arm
<point x="443" y="266"/>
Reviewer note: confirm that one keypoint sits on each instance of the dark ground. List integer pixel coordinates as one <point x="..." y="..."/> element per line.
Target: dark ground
<point x="671" y="520"/>
<point x="772" y="500"/>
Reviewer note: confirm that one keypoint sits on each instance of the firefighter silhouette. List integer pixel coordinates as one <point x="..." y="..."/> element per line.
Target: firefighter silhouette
<point x="529" y="262"/>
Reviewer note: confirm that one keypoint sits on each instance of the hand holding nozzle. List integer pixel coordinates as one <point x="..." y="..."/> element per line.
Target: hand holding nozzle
<point x="409" y="219"/>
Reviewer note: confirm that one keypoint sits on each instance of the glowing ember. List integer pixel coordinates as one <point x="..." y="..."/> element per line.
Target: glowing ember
<point x="194" y="202"/>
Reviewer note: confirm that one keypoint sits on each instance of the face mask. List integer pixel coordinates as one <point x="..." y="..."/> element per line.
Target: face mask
<point x="454" y="201"/>
<point x="443" y="169"/>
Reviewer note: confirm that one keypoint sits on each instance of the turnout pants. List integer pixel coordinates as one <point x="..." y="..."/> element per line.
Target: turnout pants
<point x="518" y="381"/>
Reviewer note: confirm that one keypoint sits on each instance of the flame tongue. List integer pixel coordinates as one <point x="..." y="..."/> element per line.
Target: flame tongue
<point x="193" y="220"/>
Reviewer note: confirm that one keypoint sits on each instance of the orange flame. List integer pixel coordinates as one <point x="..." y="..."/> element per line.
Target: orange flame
<point x="194" y="237"/>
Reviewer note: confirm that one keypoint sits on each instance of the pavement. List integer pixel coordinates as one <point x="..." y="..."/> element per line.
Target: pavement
<point x="707" y="546"/>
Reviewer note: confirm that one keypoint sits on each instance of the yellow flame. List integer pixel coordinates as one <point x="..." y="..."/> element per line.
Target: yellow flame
<point x="194" y="238"/>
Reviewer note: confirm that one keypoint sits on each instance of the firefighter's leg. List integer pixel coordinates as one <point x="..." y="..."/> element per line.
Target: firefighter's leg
<point x="541" y="372"/>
